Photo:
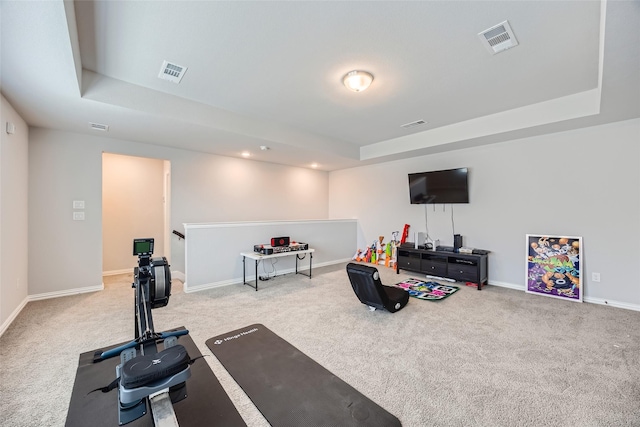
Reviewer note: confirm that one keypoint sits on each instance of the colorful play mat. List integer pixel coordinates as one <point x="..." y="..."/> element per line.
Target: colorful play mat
<point x="431" y="291"/>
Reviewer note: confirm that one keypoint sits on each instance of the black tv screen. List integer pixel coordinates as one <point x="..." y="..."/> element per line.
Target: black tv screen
<point x="445" y="186"/>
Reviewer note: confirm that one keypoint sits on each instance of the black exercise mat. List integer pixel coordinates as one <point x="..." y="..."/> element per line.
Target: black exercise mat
<point x="290" y="388"/>
<point x="207" y="404"/>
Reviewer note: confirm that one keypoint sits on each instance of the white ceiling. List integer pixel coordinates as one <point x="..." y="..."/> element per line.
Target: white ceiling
<point x="269" y="73"/>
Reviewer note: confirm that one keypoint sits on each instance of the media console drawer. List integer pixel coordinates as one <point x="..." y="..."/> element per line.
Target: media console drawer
<point x="460" y="267"/>
<point x="408" y="260"/>
<point x="463" y="272"/>
<point x="435" y="268"/>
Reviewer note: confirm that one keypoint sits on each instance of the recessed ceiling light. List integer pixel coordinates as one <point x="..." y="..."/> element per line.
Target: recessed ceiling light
<point x="314" y="165"/>
<point x="413" y="124"/>
<point x="245" y="154"/>
<point x="98" y="126"/>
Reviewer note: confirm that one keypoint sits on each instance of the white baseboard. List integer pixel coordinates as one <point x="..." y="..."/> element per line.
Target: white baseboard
<point x="618" y="304"/>
<point x="180" y="276"/>
<point x="13" y="316"/>
<point x="590" y="300"/>
<point x="65" y="293"/>
<point x="507" y="285"/>
<point x="188" y="290"/>
<point x="116" y="272"/>
<point x="46" y="295"/>
<point x="252" y="278"/>
<point x="174" y="273"/>
<point x="334" y="262"/>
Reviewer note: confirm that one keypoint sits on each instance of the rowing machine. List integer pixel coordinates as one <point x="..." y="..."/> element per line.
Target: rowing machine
<point x="144" y="373"/>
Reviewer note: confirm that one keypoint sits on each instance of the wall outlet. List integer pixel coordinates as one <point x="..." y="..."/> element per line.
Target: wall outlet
<point x="595" y="277"/>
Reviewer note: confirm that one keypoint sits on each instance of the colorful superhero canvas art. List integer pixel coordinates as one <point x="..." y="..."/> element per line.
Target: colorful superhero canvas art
<point x="554" y="267"/>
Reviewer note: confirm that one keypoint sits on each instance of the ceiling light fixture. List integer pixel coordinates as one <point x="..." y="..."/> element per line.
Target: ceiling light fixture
<point x="357" y="81"/>
<point x="245" y="154"/>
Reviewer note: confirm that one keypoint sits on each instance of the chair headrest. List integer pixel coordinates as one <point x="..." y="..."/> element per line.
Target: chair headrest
<point x="363" y="269"/>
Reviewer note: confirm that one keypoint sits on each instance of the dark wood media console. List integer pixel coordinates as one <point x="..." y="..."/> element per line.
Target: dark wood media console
<point x="459" y="267"/>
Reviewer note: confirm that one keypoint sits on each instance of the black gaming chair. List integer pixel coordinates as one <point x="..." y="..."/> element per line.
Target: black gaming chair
<point x="365" y="281"/>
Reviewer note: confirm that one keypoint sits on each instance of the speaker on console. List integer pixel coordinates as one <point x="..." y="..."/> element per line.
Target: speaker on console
<point x="457" y="241"/>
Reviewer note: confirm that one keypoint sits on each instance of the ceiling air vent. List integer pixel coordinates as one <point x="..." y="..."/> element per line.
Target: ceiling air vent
<point x="413" y="124"/>
<point x="98" y="126"/>
<point x="498" y="38"/>
<point x="172" y="72"/>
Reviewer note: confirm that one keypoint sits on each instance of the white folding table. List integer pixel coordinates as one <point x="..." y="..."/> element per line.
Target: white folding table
<point x="257" y="257"/>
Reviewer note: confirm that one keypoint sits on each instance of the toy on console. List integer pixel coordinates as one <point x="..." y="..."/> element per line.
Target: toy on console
<point x="405" y="234"/>
<point x="381" y="254"/>
<point x="388" y="251"/>
<point x="376" y="250"/>
<point x="392" y="250"/>
<point x="367" y="255"/>
<point x="360" y="255"/>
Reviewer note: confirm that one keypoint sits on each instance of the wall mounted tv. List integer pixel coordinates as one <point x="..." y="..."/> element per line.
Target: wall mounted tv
<point x="445" y="186"/>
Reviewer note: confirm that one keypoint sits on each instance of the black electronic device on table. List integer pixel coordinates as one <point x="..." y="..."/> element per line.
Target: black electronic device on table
<point x="280" y="241"/>
<point x="270" y="249"/>
<point x="263" y="249"/>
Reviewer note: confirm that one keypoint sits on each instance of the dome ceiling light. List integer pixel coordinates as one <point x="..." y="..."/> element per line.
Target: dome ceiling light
<point x="357" y="81"/>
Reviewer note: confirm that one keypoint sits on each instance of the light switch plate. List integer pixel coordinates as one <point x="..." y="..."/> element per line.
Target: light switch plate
<point x="78" y="216"/>
<point x="78" y="204"/>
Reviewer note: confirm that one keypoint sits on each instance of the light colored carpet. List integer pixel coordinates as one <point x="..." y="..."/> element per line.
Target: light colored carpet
<point x="496" y="357"/>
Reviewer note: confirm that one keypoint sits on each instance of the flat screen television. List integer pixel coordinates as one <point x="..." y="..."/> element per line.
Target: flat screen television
<point x="445" y="186"/>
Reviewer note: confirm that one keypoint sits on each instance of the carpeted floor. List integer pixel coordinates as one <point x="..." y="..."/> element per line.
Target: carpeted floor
<point x="497" y="357"/>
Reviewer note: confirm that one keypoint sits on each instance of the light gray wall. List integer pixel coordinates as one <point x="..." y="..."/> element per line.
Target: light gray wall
<point x="580" y="183"/>
<point x="13" y="214"/>
<point x="66" y="254"/>
<point x="213" y="250"/>
<point x="132" y="207"/>
<point x="584" y="182"/>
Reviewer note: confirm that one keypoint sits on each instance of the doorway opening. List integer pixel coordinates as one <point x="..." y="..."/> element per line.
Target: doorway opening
<point x="136" y="203"/>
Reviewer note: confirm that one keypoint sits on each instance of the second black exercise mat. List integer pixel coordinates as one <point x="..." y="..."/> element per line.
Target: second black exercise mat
<point x="290" y="388"/>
